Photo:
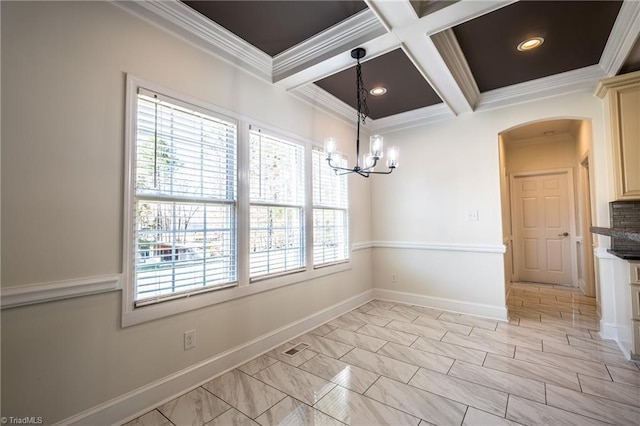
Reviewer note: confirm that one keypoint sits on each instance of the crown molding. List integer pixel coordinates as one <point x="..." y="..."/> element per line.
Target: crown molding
<point x="348" y="34"/>
<point x="186" y="23"/>
<point x="622" y="37"/>
<point x="317" y="97"/>
<point x="413" y="118"/>
<point x="558" y="84"/>
<point x="447" y="45"/>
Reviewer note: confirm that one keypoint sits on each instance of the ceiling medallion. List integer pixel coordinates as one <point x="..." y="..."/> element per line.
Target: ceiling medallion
<point x="336" y="160"/>
<point x="530" y="43"/>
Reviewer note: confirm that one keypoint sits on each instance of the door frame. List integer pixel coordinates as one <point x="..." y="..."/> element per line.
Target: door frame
<point x="572" y="218"/>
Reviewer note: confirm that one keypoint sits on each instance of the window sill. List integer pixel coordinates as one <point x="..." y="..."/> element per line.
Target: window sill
<point x="144" y="314"/>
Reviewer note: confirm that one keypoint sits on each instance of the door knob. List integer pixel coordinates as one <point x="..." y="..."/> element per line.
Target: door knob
<point x="564" y="234"/>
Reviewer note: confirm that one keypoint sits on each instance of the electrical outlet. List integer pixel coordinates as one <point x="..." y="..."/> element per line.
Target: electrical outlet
<point x="394" y="277"/>
<point x="472" y="215"/>
<point x="189" y="339"/>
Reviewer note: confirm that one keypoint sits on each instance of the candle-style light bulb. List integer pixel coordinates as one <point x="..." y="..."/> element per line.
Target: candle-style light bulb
<point x="376" y="143"/>
<point x="330" y="146"/>
<point x="393" y="153"/>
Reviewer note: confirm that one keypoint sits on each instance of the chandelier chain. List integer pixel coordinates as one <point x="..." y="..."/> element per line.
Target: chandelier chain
<point x="363" y="109"/>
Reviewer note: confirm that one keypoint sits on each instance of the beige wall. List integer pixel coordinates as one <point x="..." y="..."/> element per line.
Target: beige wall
<point x="63" y="75"/>
<point x="557" y="152"/>
<point x="63" y="68"/>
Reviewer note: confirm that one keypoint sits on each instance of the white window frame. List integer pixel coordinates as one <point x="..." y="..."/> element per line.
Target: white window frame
<point x="330" y="207"/>
<point x="132" y="315"/>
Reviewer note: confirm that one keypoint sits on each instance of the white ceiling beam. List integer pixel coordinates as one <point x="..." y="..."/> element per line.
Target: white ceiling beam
<point x="625" y="32"/>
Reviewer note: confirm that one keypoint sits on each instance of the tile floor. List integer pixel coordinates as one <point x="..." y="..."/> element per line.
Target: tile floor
<point x="396" y="364"/>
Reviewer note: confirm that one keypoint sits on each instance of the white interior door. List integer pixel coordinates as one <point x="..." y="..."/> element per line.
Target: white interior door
<point x="541" y="221"/>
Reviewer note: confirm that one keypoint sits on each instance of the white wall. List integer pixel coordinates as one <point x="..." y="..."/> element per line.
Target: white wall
<point x="447" y="169"/>
<point x="63" y="74"/>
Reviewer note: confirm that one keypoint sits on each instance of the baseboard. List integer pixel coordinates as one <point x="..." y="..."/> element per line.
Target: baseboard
<point x="135" y="403"/>
<point x="480" y="310"/>
<point x="616" y="333"/>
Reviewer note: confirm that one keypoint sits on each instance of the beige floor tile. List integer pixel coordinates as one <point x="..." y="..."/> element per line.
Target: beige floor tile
<point x="509" y="338"/>
<point x="297" y="383"/>
<point x="462" y="391"/>
<point x="420" y="330"/>
<point x="257" y="364"/>
<point x="603" y="345"/>
<point x="476" y="417"/>
<point x="381" y="364"/>
<point x="358" y="340"/>
<point x="322" y="330"/>
<point x="535" y="414"/>
<point x="448" y="350"/>
<point x="291" y="412"/>
<point x="418" y="310"/>
<point x="194" y="408"/>
<point x="388" y="334"/>
<point x="480" y="343"/>
<point x="593" y="406"/>
<point x="346" y="322"/>
<point x="346" y="375"/>
<point x="425" y="405"/>
<point x="354" y="409"/>
<point x="589" y="368"/>
<point x="555" y="329"/>
<point x="610" y="390"/>
<point x="509" y="383"/>
<point x="608" y="358"/>
<point x="367" y="319"/>
<point x="393" y="315"/>
<point x="152" y="418"/>
<point x="625" y="376"/>
<point x="468" y="320"/>
<point x="443" y="325"/>
<point x="383" y="304"/>
<point x="232" y="417"/>
<point x="549" y="306"/>
<point x="323" y="345"/>
<point x="245" y="393"/>
<point x="417" y="357"/>
<point x="533" y="371"/>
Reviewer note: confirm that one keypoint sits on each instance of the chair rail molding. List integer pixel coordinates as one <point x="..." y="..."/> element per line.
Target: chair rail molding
<point x="29" y="294"/>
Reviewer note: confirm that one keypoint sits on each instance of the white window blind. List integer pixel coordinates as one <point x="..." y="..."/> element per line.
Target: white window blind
<point x="330" y="212"/>
<point x="276" y="216"/>
<point x="184" y="200"/>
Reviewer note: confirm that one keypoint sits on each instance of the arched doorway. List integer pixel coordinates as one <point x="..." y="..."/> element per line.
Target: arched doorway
<point x="546" y="203"/>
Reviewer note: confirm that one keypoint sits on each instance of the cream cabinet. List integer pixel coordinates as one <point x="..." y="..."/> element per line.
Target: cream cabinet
<point x="622" y="94"/>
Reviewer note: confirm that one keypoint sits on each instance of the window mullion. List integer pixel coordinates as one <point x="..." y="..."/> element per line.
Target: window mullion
<point x="243" y="235"/>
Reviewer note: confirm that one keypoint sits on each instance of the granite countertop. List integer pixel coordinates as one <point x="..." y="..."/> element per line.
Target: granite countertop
<point x="624" y="234"/>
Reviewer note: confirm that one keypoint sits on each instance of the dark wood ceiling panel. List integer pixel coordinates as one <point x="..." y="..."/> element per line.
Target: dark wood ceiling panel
<point x="406" y="88"/>
<point x="275" y="26"/>
<point x="575" y="35"/>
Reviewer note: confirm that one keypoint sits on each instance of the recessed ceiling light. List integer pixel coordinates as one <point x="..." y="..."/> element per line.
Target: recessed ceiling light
<point x="530" y="43"/>
<point x="378" y="91"/>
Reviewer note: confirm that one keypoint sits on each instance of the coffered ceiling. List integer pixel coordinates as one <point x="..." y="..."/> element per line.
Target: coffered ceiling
<point x="437" y="59"/>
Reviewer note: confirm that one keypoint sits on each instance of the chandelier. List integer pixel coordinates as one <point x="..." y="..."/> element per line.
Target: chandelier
<point x="336" y="160"/>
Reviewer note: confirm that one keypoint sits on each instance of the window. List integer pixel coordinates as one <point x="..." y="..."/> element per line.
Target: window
<point x="277" y="198"/>
<point x="218" y="209"/>
<point x="184" y="200"/>
<point x="330" y="213"/>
